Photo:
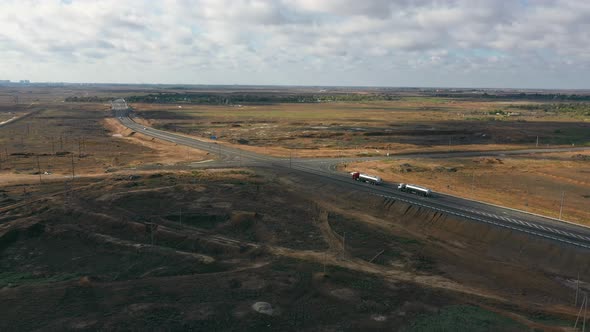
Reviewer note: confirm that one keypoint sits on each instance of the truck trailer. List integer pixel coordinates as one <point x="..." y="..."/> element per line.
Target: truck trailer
<point x="366" y="178"/>
<point x="414" y="189"/>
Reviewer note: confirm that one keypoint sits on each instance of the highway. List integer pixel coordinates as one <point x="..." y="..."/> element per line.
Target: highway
<point x="325" y="168"/>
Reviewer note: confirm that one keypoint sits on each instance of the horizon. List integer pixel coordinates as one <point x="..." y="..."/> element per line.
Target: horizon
<point x="285" y="86"/>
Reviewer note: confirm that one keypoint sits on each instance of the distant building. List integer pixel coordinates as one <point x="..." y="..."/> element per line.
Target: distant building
<point x="4" y="81"/>
<point x="24" y="81"/>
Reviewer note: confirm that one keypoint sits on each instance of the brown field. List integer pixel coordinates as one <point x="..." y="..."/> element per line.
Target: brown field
<point x="531" y="183"/>
<point x="225" y="241"/>
<point x="369" y="129"/>
<point x="125" y="247"/>
<point x="55" y="136"/>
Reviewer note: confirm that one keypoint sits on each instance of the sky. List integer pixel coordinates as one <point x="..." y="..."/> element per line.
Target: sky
<point x="429" y="43"/>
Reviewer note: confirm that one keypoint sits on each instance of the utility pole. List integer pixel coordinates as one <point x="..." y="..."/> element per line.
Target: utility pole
<point x="537" y="141"/>
<point x="584" y="307"/>
<point x="73" y="173"/>
<point x="39" y="169"/>
<point x="473" y="182"/>
<point x="561" y="207"/>
<point x="585" y="310"/>
<point x="152" y="229"/>
<point x="577" y="289"/>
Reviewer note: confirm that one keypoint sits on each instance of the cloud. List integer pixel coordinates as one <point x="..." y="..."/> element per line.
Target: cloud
<point x="382" y="42"/>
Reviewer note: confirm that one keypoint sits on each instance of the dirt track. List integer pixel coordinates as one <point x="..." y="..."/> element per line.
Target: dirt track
<point x="236" y="222"/>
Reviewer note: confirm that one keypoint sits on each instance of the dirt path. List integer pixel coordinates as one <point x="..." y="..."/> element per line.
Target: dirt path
<point x="334" y="242"/>
<point x="388" y="273"/>
<point x="166" y="152"/>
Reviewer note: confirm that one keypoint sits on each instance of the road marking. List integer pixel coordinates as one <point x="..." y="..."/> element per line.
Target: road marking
<point x="208" y="147"/>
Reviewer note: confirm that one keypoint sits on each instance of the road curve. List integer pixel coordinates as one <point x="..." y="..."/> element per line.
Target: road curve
<point x="534" y="225"/>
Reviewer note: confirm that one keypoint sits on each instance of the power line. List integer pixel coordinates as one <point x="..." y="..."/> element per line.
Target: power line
<point x="583" y="306"/>
<point x="39" y="169"/>
<point x="561" y="206"/>
<point x="73" y="168"/>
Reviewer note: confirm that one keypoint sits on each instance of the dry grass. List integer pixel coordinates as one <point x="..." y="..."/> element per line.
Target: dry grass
<point x="375" y="128"/>
<point x="530" y="183"/>
<point x="49" y="139"/>
<point x="163" y="152"/>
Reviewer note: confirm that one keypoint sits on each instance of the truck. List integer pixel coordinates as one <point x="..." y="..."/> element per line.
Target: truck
<point x="358" y="176"/>
<point x="414" y="189"/>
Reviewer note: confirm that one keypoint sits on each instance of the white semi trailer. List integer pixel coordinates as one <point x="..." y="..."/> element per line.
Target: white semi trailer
<point x="366" y="178"/>
<point x="414" y="189"/>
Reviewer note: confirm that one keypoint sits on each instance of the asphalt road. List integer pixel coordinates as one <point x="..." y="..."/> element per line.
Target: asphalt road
<point x="324" y="168"/>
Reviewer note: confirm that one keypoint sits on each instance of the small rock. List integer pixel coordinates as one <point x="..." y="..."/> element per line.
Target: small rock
<point x="263" y="308"/>
<point x="378" y="318"/>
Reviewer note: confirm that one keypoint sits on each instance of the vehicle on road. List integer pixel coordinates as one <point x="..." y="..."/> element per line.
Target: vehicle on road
<point x="358" y="176"/>
<point x="414" y="189"/>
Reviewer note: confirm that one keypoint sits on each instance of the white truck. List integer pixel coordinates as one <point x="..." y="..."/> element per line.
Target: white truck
<point x="414" y="189"/>
<point x="358" y="176"/>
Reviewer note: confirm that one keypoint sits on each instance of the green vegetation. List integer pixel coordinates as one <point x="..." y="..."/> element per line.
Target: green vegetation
<point x="90" y="99"/>
<point x="581" y="109"/>
<point x="515" y="96"/>
<point x="497" y="112"/>
<point x="261" y="98"/>
<point x="209" y="98"/>
<point x="577" y="136"/>
<point x="19" y="278"/>
<point x="425" y="99"/>
<point x="549" y="320"/>
<point x="199" y="220"/>
<point x="464" y="318"/>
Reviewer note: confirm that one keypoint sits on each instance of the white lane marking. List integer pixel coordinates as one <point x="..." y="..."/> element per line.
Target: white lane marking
<point x="491" y="222"/>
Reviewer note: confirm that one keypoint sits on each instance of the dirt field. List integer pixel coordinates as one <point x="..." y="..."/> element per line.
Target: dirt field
<point x="57" y="139"/>
<point x="200" y="251"/>
<point x="414" y="125"/>
<point x="531" y="183"/>
<point x="124" y="247"/>
<point x="377" y="128"/>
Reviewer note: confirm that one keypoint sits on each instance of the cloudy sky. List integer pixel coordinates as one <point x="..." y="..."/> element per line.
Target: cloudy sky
<point x="452" y="43"/>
